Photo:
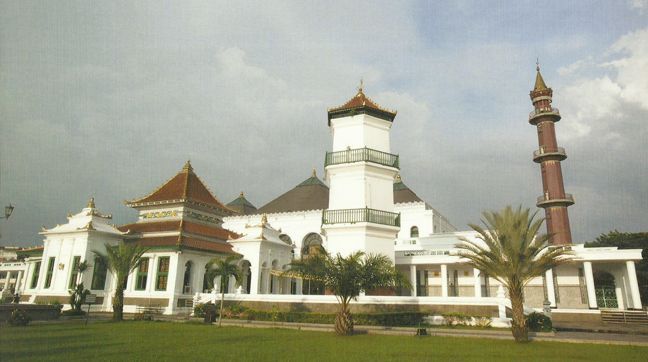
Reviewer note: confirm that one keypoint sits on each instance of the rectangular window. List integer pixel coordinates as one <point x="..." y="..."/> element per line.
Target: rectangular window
<point x="50" y="272"/>
<point x="142" y="274"/>
<point x="99" y="275"/>
<point x="163" y="273"/>
<point x="75" y="273"/>
<point x="34" y="281"/>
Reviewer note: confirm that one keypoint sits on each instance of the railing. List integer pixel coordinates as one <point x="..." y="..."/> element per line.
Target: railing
<point x="567" y="198"/>
<point x="426" y="252"/>
<point x="555" y="150"/>
<point x="361" y="154"/>
<point x="350" y="216"/>
<point x="543" y="111"/>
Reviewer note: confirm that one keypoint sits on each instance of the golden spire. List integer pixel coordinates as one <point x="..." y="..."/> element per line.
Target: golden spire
<point x="264" y="219"/>
<point x="187" y="166"/>
<point x="398" y="179"/>
<point x="360" y="89"/>
<point x="539" y="84"/>
<point x="241" y="195"/>
<point x="314" y="173"/>
<point x="91" y="204"/>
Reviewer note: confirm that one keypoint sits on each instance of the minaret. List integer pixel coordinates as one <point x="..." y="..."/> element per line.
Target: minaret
<point x="360" y="171"/>
<point x="554" y="199"/>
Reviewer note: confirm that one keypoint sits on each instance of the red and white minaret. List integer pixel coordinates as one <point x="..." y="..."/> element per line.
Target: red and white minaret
<point x="554" y="199"/>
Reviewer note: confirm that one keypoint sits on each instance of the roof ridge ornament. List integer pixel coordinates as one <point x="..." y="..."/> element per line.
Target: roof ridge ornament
<point x="91" y="204"/>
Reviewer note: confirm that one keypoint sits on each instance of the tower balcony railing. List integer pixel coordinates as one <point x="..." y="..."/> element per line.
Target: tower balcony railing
<point x="548" y="200"/>
<point x="558" y="152"/>
<point x="360" y="155"/>
<point x="352" y="216"/>
<point x="543" y="112"/>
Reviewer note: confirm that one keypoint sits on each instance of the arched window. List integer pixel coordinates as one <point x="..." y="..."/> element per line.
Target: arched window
<point x="311" y="242"/>
<point x="414" y="232"/>
<point x="286" y="239"/>
<point x="186" y="283"/>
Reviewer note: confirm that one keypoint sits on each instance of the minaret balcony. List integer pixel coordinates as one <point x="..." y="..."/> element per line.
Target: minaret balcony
<point x="540" y="112"/>
<point x="547" y="201"/>
<point x="361" y="155"/>
<point x="352" y="216"/>
<point x="543" y="154"/>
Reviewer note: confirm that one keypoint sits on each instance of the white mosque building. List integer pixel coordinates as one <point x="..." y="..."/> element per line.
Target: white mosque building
<point x="361" y="204"/>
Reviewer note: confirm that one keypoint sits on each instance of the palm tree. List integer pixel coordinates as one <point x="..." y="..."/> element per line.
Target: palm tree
<point x="347" y="277"/>
<point x="224" y="269"/>
<point x="121" y="261"/>
<point x="513" y="253"/>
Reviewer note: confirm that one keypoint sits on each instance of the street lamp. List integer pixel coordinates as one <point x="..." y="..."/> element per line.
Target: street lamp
<point x="8" y="211"/>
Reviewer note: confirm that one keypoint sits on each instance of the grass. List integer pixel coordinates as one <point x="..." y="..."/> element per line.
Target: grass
<point x="164" y="341"/>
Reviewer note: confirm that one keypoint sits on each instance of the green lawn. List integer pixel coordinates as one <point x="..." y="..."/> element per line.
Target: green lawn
<point x="163" y="341"/>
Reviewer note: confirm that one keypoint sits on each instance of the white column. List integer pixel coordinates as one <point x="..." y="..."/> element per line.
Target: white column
<point x="634" y="285"/>
<point x="6" y="283"/>
<point x="413" y="279"/>
<point x="551" y="291"/>
<point x="477" y="280"/>
<point x="589" y="282"/>
<point x="444" y="280"/>
<point x="300" y="286"/>
<point x="19" y="281"/>
<point x="254" y="280"/>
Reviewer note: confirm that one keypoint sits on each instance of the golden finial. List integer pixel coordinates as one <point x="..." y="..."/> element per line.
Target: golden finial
<point x="91" y="204"/>
<point x="264" y="219"/>
<point x="360" y="89"/>
<point x="241" y="195"/>
<point x="187" y="166"/>
<point x="314" y="173"/>
<point x="398" y="179"/>
<point x="537" y="64"/>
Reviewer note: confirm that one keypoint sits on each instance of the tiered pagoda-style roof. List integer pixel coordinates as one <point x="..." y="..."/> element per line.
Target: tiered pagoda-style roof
<point x="242" y="205"/>
<point x="183" y="187"/>
<point x="311" y="194"/>
<point x="170" y="229"/>
<point x="403" y="194"/>
<point x="361" y="104"/>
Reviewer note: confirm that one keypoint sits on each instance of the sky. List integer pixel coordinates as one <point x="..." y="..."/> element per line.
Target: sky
<point x="109" y="100"/>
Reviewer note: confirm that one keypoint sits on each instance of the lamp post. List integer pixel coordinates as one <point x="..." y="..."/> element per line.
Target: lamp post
<point x="8" y="211"/>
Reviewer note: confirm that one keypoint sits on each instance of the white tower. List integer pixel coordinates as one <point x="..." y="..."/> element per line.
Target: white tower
<point x="360" y="172"/>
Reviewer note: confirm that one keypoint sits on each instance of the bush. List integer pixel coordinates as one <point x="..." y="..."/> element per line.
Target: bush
<point x="539" y="322"/>
<point x="73" y="312"/>
<point x="455" y="319"/>
<point x="482" y="321"/>
<point x="371" y="319"/>
<point x="55" y="303"/>
<point x="18" y="318"/>
<point x="200" y="310"/>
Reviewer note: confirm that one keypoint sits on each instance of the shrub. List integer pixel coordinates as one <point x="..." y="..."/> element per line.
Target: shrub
<point x="18" y="318"/>
<point x="200" y="310"/>
<point x="73" y="312"/>
<point x="55" y="303"/>
<point x="482" y="321"/>
<point x="454" y="319"/>
<point x="539" y="322"/>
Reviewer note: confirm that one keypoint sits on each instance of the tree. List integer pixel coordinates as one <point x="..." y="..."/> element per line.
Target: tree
<point x="224" y="269"/>
<point x="78" y="294"/>
<point x="629" y="241"/>
<point x="121" y="260"/>
<point x="347" y="277"/>
<point x="512" y="252"/>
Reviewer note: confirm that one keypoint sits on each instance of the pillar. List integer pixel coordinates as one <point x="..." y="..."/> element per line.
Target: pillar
<point x="634" y="285"/>
<point x="551" y="291"/>
<point x="413" y="280"/>
<point x="300" y="286"/>
<point x="589" y="281"/>
<point x="20" y="277"/>
<point x="444" y="280"/>
<point x="477" y="283"/>
<point x="6" y="283"/>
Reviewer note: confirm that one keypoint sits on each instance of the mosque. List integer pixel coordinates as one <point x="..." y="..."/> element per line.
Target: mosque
<point x="361" y="203"/>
